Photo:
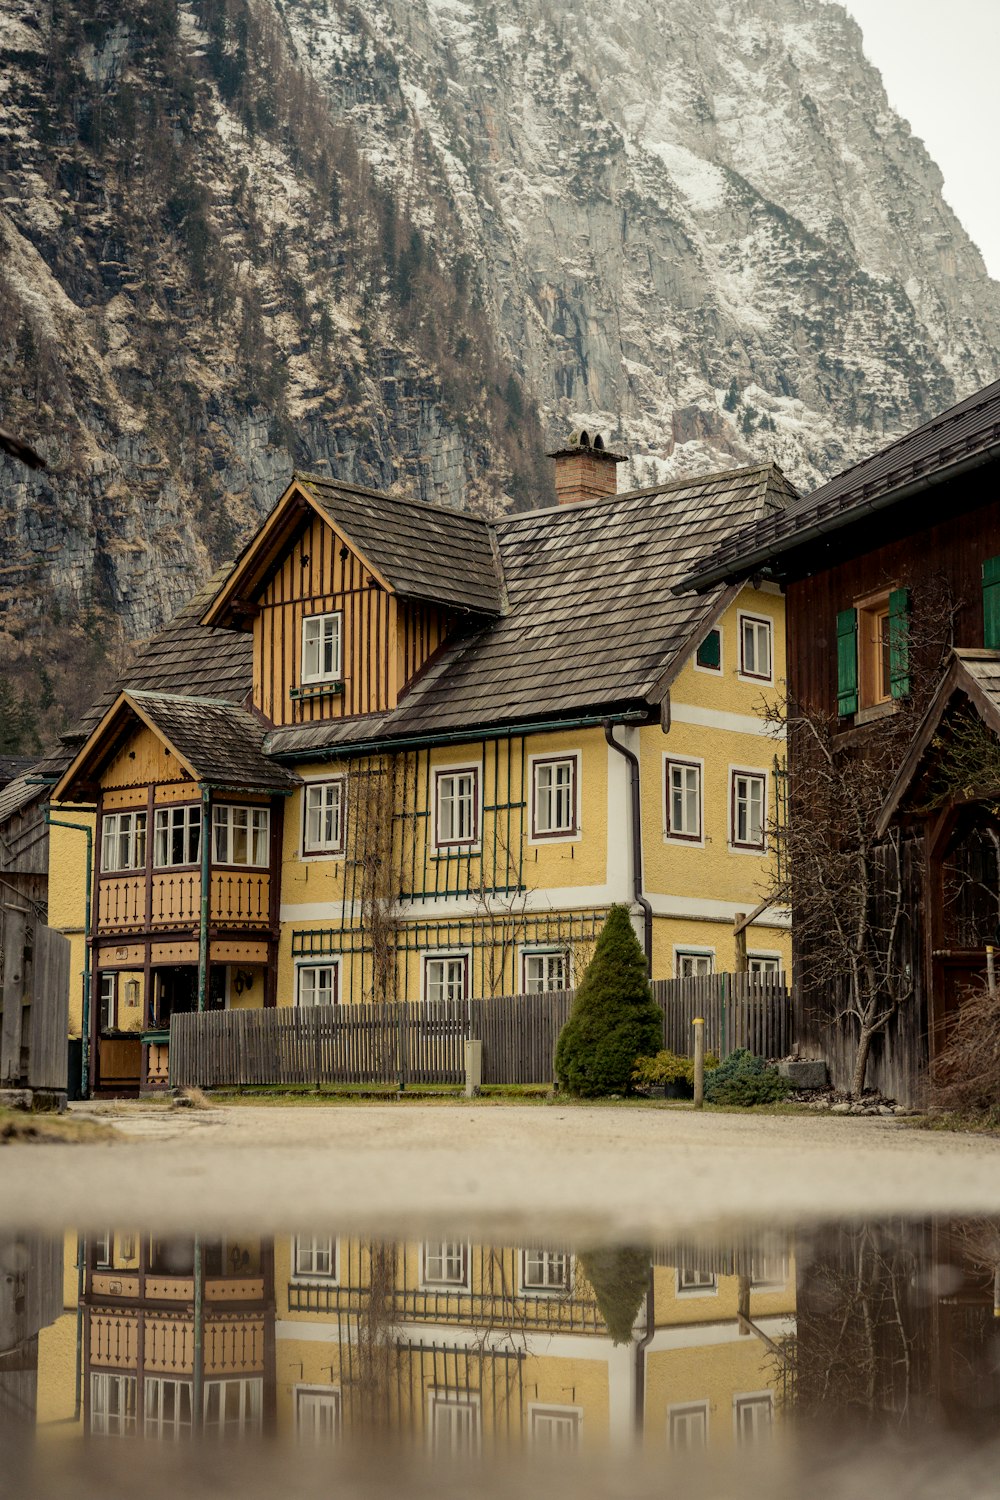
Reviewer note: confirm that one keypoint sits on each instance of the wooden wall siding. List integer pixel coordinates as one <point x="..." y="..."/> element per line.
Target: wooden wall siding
<point x="420" y="631"/>
<point x="953" y="548"/>
<point x="34" y="1001"/>
<point x="425" y="1043"/>
<point x="142" y="761"/>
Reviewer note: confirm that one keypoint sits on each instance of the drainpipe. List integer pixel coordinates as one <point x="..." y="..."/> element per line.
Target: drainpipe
<point x="636" y="812"/>
<point x="206" y="830"/>
<point x="52" y="822"/>
<point x="640" y="1356"/>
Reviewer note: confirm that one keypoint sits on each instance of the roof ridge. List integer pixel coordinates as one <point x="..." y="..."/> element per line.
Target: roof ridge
<point x="182" y="698"/>
<point x="361" y="489"/>
<point x="714" y="476"/>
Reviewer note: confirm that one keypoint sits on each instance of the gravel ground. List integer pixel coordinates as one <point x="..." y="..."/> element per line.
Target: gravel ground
<point x="396" y="1168"/>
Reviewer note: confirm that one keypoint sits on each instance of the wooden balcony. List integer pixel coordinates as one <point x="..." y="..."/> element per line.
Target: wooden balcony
<point x="233" y="1342"/>
<point x="238" y="899"/>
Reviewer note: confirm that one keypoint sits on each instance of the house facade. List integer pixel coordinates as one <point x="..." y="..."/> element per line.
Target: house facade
<point x="891" y="577"/>
<point x="400" y="752"/>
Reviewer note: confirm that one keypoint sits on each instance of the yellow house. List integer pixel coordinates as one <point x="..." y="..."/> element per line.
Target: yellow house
<point x="401" y="752"/>
<point x="456" y="1348"/>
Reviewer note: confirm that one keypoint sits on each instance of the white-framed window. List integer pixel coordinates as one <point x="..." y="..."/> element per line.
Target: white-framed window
<point x="317" y="984"/>
<point x="317" y="1413"/>
<point x="177" y="836"/>
<point x="321" y="648"/>
<point x="691" y="962"/>
<point x="544" y="969"/>
<point x="557" y="1428"/>
<point x="554" y="796"/>
<point x="545" y="1271"/>
<point x="315" y="1255"/>
<point x="444" y="1263"/>
<point x="323" y="817"/>
<point x="108" y="993"/>
<point x="753" y="1415"/>
<point x="692" y="1281"/>
<point x="167" y="1408"/>
<point x="763" y="963"/>
<point x="112" y="1405"/>
<point x="748" y="810"/>
<point x="456" y="808"/>
<point x="756" y="655"/>
<point x="682" y="799"/>
<point x="232" y="1407"/>
<point x="687" y="1425"/>
<point x="453" y="1423"/>
<point x="446" y="976"/>
<point x="123" y="841"/>
<point x="103" y="1250"/>
<point x="241" y="835"/>
<point x="768" y="1271"/>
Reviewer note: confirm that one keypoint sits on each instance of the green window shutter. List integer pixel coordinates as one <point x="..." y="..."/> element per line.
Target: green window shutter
<point x="710" y="651"/>
<point x="847" y="662"/>
<point x="899" y="643"/>
<point x="991" y="603"/>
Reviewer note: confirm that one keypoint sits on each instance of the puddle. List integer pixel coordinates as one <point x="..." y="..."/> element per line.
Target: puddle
<point x="827" y="1360"/>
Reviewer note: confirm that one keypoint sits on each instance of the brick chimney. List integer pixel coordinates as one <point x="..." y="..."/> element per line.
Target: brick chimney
<point x="585" y="469"/>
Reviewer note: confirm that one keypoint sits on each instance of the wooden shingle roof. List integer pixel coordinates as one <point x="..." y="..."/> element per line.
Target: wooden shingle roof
<point x="961" y="438"/>
<point x="219" y="742"/>
<point x="591" y="622"/>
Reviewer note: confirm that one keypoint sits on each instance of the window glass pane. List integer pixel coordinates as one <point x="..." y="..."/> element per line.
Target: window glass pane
<point x="220" y="826"/>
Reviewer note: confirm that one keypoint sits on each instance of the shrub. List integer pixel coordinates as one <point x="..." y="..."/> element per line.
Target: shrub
<point x="619" y="1279"/>
<point x="744" y="1080"/>
<point x="613" y="1020"/>
<point x="965" y="1075"/>
<point x="668" y="1068"/>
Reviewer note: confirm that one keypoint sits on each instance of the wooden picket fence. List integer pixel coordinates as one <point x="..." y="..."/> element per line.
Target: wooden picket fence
<point x="406" y="1043"/>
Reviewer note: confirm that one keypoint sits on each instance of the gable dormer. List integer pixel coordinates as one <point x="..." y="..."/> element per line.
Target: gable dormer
<point x="350" y="594"/>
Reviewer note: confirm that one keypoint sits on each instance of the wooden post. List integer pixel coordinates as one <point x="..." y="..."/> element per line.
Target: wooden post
<point x="991" y="973"/>
<point x="740" y="937"/>
<point x="699" y="1061"/>
<point x="473" y="1069"/>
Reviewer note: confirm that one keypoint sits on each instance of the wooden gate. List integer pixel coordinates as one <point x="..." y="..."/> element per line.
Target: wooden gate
<point x="34" y="1002"/>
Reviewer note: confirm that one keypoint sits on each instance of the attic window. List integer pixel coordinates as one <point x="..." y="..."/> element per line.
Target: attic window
<point x="321" y="648"/>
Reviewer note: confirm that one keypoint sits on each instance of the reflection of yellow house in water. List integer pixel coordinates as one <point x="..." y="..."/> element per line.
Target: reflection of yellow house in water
<point x="455" y="1347"/>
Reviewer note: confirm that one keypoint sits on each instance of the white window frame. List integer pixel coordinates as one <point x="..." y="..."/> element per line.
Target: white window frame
<point x="335" y="850"/>
<point x="750" y="773"/>
<point x="466" y="1401"/>
<point x="337" y="666"/>
<point x="557" y="1415"/>
<point x="332" y="963"/>
<point x="694" y="762"/>
<point x="530" y="951"/>
<point x="323" y="1278"/>
<point x="251" y="1412"/>
<point x="103" y="1422"/>
<point x="755" y="1401"/>
<point x="104" y="1250"/>
<point x="318" y="1398"/>
<point x="225" y="816"/>
<point x="573" y="832"/>
<point x="474" y="843"/>
<point x="678" y="1417"/>
<point x="447" y="955"/>
<point x="720" y="669"/>
<point x="709" y="1288"/>
<point x="545" y="1288"/>
<point x="761" y="1264"/>
<point x="130" y="825"/>
<point x="109" y="978"/>
<point x="154" y="1424"/>
<point x="752" y="618"/>
<point x="164" y="819"/>
<point x="760" y="956"/>
<point x="444" y="1251"/>
<point x="690" y="950"/>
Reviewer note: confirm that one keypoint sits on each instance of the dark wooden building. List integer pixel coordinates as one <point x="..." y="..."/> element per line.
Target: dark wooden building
<point x="891" y="573"/>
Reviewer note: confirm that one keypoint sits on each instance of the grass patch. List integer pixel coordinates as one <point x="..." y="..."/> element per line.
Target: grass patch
<point x="359" y="1093"/>
<point x="18" y="1126"/>
<point x="955" y="1124"/>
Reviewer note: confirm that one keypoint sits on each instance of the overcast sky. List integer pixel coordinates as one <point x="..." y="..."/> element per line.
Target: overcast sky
<point x="939" y="61"/>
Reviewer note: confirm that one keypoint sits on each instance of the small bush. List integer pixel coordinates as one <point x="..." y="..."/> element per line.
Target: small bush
<point x="613" y="1020"/>
<point x="965" y="1075"/>
<point x="668" y="1068"/>
<point x="744" y="1080"/>
<point x="620" y="1279"/>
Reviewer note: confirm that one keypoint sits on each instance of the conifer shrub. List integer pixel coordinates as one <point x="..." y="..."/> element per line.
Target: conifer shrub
<point x="619" y="1278"/>
<point x="744" y="1080"/>
<point x="613" y="1020"/>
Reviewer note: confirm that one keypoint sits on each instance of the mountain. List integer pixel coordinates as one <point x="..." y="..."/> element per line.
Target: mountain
<point x="407" y="242"/>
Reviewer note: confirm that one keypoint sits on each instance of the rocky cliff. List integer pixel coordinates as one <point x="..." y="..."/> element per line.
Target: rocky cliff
<point x="238" y="235"/>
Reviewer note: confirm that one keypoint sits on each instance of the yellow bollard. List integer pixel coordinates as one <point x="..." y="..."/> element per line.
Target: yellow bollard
<point x="699" y="1061"/>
